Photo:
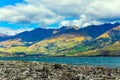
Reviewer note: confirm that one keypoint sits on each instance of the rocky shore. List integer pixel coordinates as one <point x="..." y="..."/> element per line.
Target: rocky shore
<point x="18" y="70"/>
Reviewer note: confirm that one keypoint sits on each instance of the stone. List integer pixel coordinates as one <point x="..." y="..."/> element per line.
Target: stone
<point x="18" y="70"/>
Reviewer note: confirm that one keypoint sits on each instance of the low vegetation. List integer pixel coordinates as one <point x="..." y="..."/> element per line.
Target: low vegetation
<point x="68" y="44"/>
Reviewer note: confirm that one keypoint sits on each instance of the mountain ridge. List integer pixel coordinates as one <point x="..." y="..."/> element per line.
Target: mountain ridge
<point x="63" y="41"/>
<point x="41" y="33"/>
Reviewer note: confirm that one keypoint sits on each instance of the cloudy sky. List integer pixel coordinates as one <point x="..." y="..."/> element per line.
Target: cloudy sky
<point x="21" y="15"/>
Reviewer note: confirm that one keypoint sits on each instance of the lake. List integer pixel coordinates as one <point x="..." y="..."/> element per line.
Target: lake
<point x="113" y="62"/>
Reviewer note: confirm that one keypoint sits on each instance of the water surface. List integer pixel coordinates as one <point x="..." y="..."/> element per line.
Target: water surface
<point x="92" y="61"/>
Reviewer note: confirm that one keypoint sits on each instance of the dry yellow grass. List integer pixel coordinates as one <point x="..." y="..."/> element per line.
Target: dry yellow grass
<point x="9" y="43"/>
<point x="62" y="42"/>
<point x="105" y="35"/>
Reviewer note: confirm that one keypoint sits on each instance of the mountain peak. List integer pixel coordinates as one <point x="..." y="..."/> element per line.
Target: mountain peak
<point x="69" y="27"/>
<point x="117" y="28"/>
<point x="3" y="35"/>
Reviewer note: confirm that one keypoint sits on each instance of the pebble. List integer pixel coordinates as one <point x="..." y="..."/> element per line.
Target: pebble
<point x="18" y="70"/>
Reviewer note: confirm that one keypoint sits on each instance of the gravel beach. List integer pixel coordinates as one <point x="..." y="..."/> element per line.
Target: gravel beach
<point x="19" y="70"/>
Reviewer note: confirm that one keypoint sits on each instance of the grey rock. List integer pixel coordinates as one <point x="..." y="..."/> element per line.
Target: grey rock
<point x="18" y="70"/>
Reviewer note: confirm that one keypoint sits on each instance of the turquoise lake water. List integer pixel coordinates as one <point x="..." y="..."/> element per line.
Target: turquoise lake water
<point x="92" y="61"/>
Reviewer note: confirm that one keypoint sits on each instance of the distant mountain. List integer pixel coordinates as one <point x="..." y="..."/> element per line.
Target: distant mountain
<point x="93" y="31"/>
<point x="109" y="37"/>
<point x="67" y="40"/>
<point x="34" y="35"/>
<point x="41" y="34"/>
<point x="3" y="36"/>
<point x="107" y="44"/>
<point x="113" y="34"/>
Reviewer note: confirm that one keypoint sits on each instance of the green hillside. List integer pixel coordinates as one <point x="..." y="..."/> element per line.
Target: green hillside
<point x="63" y="44"/>
<point x="67" y="44"/>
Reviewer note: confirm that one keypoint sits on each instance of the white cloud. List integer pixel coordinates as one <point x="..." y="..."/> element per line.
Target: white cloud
<point x="83" y="21"/>
<point x="28" y="13"/>
<point x="45" y="12"/>
<point x="10" y="31"/>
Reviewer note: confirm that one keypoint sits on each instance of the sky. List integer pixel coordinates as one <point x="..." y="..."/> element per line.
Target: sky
<point x="24" y="15"/>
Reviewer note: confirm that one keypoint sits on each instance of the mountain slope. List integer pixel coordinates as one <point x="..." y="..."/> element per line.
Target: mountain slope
<point x="113" y="33"/>
<point x="34" y="35"/>
<point x="111" y="50"/>
<point x="107" y="38"/>
<point x="68" y="41"/>
<point x="93" y="31"/>
<point x="108" y="44"/>
<point x="3" y="36"/>
<point x="13" y="43"/>
<point x="41" y="34"/>
<point x="59" y="45"/>
<point x="73" y="41"/>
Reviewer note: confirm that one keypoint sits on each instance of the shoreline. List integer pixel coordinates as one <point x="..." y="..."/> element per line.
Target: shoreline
<point x="65" y="56"/>
<point x="56" y="56"/>
<point x="21" y="70"/>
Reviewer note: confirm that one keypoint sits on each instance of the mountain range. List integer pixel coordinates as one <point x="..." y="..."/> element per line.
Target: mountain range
<point x="94" y="40"/>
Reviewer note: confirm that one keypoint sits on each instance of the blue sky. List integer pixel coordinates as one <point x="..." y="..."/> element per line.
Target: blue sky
<point x="23" y="15"/>
<point x="9" y="2"/>
<point x="11" y="26"/>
